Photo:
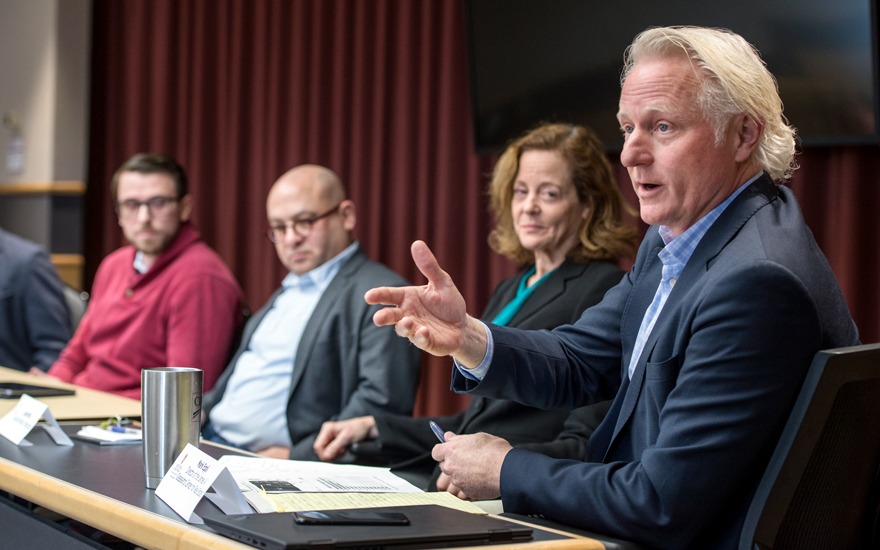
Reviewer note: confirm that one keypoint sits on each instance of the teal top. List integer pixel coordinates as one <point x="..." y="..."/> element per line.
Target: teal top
<point x="522" y="294"/>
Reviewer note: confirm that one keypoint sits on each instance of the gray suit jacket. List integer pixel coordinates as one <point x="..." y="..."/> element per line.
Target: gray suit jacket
<point x="678" y="457"/>
<point x="34" y="320"/>
<point x="345" y="366"/>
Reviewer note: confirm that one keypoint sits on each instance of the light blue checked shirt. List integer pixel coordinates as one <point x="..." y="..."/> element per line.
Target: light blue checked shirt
<point x="674" y="256"/>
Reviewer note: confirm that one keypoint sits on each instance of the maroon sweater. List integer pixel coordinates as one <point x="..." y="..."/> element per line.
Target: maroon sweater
<point x="182" y="312"/>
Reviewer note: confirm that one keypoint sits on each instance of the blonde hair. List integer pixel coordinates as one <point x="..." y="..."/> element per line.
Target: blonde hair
<point x="735" y="81"/>
<point x="602" y="234"/>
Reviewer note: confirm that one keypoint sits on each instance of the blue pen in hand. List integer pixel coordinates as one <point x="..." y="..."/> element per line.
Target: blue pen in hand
<point x="438" y="431"/>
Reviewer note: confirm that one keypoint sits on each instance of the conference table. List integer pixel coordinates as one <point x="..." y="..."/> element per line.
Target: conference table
<point x="103" y="487"/>
<point x="86" y="404"/>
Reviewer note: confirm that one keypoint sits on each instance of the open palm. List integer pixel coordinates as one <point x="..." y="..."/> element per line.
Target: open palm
<point x="432" y="316"/>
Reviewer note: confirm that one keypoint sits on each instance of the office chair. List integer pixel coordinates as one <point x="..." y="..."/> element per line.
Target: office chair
<point x="820" y="489"/>
<point x="77" y="301"/>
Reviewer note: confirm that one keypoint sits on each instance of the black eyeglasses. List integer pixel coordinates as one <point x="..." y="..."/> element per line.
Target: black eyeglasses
<point x="302" y="227"/>
<point x="157" y="206"/>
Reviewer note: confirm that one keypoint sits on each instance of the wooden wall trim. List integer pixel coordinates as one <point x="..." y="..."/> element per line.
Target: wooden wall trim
<point x="70" y="187"/>
<point x="70" y="268"/>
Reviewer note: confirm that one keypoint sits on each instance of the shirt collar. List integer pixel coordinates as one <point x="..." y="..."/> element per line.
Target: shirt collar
<point x="678" y="250"/>
<point x="323" y="274"/>
<point x="139" y="264"/>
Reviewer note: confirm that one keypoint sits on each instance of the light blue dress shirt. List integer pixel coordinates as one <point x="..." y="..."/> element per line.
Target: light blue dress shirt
<point x="139" y="264"/>
<point x="253" y="410"/>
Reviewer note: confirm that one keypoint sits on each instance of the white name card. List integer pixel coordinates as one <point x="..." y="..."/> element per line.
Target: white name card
<point x="189" y="479"/>
<point x="19" y="422"/>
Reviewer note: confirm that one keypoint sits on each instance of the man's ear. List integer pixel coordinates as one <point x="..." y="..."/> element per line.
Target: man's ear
<point x="748" y="135"/>
<point x="185" y="207"/>
<point x="349" y="215"/>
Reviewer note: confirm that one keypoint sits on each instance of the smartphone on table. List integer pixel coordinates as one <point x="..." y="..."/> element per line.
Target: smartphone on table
<point x="350" y="517"/>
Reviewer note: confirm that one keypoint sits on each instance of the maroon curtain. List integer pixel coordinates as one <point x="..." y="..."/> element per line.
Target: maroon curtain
<point x="839" y="191"/>
<point x="377" y="90"/>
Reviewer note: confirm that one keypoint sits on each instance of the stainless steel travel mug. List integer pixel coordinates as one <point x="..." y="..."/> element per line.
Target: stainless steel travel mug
<point x="171" y="407"/>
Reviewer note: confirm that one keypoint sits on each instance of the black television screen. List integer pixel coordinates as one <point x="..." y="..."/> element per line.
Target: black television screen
<point x="534" y="61"/>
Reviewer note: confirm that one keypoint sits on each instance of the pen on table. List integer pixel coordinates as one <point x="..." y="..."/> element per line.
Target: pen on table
<point x="438" y="431"/>
<point x="124" y="430"/>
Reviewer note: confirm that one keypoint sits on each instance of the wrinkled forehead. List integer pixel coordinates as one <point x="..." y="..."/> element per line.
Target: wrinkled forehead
<point x="668" y="83"/>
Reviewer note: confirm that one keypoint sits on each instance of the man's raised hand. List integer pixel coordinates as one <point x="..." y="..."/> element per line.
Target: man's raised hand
<point x="432" y="316"/>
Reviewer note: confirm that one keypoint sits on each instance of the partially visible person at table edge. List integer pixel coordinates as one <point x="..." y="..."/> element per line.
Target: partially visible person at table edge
<point x="34" y="319"/>
<point x="558" y="212"/>
<point x="703" y="345"/>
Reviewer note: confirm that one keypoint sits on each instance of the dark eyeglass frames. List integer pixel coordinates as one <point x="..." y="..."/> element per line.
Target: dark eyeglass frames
<point x="157" y="206"/>
<point x="302" y="227"/>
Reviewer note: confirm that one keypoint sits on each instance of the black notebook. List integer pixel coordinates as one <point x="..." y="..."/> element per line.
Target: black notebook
<point x="430" y="526"/>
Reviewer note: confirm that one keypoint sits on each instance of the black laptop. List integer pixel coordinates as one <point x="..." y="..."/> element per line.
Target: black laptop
<point x="430" y="526"/>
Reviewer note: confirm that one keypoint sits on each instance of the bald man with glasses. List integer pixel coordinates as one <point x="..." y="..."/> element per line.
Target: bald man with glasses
<point x="166" y="299"/>
<point x="312" y="353"/>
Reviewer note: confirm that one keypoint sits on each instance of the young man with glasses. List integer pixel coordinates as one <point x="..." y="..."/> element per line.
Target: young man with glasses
<point x="312" y="353"/>
<point x="167" y="299"/>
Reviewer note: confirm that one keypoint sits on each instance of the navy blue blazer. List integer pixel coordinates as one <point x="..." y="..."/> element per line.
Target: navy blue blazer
<point x="34" y="320"/>
<point x="676" y="460"/>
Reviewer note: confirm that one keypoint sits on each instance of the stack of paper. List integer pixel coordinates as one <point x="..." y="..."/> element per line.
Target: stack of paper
<point x="297" y="502"/>
<point x="274" y="485"/>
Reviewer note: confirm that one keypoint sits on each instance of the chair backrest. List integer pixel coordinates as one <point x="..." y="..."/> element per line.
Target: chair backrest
<point x="820" y="489"/>
<point x="77" y="302"/>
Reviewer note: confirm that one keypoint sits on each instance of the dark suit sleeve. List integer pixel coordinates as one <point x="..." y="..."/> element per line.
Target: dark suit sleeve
<point x="388" y="379"/>
<point x="45" y="312"/>
<point x="383" y="372"/>
<point x="538" y="374"/>
<point x="407" y="442"/>
<point x="576" y="431"/>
